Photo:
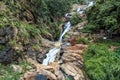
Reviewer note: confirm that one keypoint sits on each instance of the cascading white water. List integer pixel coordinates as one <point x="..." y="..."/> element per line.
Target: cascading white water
<point x="51" y="56"/>
<point x="52" y="53"/>
<point x="67" y="27"/>
<point x="90" y="3"/>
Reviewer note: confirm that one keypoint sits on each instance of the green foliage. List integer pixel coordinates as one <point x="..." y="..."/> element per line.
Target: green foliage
<point x="104" y="14"/>
<point x="44" y="13"/>
<point x="75" y="19"/>
<point x="89" y="28"/>
<point x="7" y="73"/>
<point x="38" y="12"/>
<point x="82" y="40"/>
<point x="100" y="63"/>
<point x="108" y="42"/>
<point x="58" y="8"/>
<point x="32" y="30"/>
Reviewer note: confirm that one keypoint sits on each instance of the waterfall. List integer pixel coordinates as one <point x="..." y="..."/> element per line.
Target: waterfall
<point x="67" y="26"/>
<point x="51" y="55"/>
<point x="91" y="3"/>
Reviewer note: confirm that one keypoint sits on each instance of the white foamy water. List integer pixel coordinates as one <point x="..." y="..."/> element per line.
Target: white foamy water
<point x="91" y="3"/>
<point x="51" y="55"/>
<point x="80" y="10"/>
<point x="67" y="27"/>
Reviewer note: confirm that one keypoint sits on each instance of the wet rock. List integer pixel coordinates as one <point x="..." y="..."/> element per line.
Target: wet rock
<point x="34" y="76"/>
<point x="49" y="74"/>
<point x="40" y="77"/>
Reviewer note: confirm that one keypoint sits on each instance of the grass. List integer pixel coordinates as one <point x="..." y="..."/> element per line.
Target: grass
<point x="82" y="40"/>
<point x="7" y="72"/>
<point x="101" y="63"/>
<point x="109" y="42"/>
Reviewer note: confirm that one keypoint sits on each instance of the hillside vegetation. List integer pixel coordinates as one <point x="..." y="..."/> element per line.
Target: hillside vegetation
<point x="24" y="24"/>
<point x="104" y="15"/>
<point x="101" y="59"/>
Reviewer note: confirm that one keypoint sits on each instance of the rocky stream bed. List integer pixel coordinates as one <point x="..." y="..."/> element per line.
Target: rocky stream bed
<point x="68" y="64"/>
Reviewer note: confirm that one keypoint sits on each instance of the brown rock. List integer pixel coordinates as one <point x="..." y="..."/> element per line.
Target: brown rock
<point x="77" y="47"/>
<point x="67" y="69"/>
<point x="73" y="70"/>
<point x="57" y="44"/>
<point x="73" y="41"/>
<point x="50" y="75"/>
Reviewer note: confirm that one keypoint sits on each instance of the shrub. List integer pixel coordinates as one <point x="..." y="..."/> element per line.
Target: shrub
<point x="75" y="19"/>
<point x="7" y="72"/>
<point x="104" y="14"/>
<point x="100" y="63"/>
<point x="58" y="8"/>
<point x="82" y="40"/>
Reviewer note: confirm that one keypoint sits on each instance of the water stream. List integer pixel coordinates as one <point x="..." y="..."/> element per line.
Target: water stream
<point x="51" y="55"/>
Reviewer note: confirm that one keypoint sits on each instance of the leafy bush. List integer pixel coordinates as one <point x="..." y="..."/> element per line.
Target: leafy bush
<point x="102" y="64"/>
<point x="104" y="14"/>
<point x="82" y="40"/>
<point x="7" y="72"/>
<point x="58" y="8"/>
<point x="75" y="19"/>
<point x="89" y="28"/>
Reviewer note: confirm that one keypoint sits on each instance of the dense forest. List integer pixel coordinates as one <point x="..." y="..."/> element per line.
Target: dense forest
<point x="29" y="28"/>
